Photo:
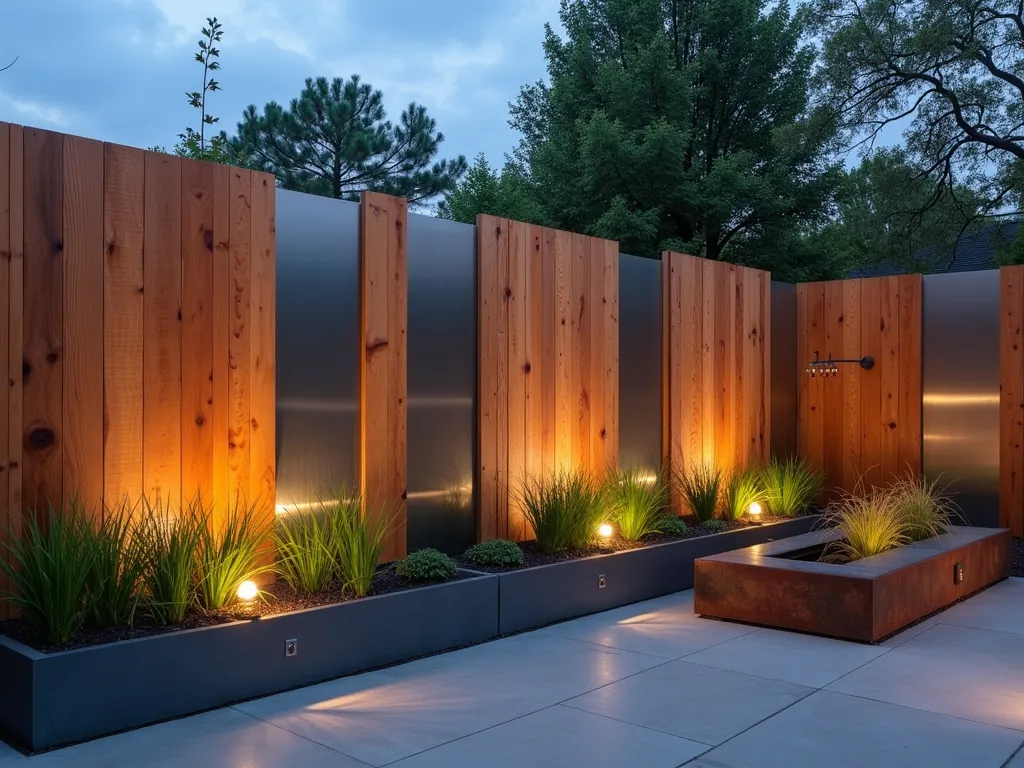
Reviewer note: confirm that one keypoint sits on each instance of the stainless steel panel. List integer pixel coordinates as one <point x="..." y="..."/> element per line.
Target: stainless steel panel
<point x="442" y="383"/>
<point x="784" y="369"/>
<point x="961" y="389"/>
<point x="317" y="345"/>
<point x="640" y="362"/>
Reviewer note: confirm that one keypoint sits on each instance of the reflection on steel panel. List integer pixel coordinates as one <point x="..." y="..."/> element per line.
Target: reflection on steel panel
<point x="442" y="383"/>
<point x="640" y="362"/>
<point x="784" y="369"/>
<point x="317" y="345"/>
<point x="961" y="389"/>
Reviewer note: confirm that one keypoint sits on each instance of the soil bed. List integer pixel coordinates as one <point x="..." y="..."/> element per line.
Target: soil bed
<point x="533" y="557"/>
<point x="278" y="598"/>
<point x="1017" y="558"/>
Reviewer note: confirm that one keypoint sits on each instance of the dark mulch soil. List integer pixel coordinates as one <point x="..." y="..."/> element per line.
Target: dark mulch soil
<point x="278" y="598"/>
<point x="1017" y="558"/>
<point x="533" y="557"/>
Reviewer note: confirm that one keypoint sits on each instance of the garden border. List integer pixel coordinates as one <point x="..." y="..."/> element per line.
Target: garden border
<point x="545" y="594"/>
<point x="865" y="600"/>
<point x="51" y="699"/>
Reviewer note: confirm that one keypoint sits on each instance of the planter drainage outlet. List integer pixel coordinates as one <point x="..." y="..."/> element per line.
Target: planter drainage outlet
<point x="291" y="648"/>
<point x="601" y="583"/>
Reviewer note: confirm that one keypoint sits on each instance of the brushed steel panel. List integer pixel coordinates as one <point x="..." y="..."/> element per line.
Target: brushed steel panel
<point x="640" y="362"/>
<point x="442" y="383"/>
<point x="784" y="369"/>
<point x="961" y="389"/>
<point x="317" y="345"/>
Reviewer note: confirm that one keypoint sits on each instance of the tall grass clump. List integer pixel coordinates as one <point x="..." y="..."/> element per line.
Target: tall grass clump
<point x="118" y="560"/>
<point x="48" y="566"/>
<point x="635" y="502"/>
<point x="359" y="538"/>
<point x="228" y="553"/>
<point x="564" y="509"/>
<point x="790" y="485"/>
<point x="868" y="525"/>
<point x="924" y="506"/>
<point x="744" y="488"/>
<point x="305" y="550"/>
<point x="701" y="488"/>
<point x="171" y="544"/>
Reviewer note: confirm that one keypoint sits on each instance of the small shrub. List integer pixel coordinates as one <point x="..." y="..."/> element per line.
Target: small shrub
<point x="118" y="567"/>
<point x="923" y="505"/>
<point x="701" y="487"/>
<point x="790" y="485"/>
<point x="714" y="525"/>
<point x="305" y="551"/>
<point x="49" y="565"/>
<point x="172" y="566"/>
<point x="744" y="488"/>
<point x="228" y="556"/>
<point x="427" y="565"/>
<point x="359" y="538"/>
<point x="564" y="509"/>
<point x="636" y="503"/>
<point x="869" y="525"/>
<point x="671" y="525"/>
<point x="497" y="553"/>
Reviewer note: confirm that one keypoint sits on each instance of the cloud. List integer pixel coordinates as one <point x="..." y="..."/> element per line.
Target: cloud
<point x="35" y="112"/>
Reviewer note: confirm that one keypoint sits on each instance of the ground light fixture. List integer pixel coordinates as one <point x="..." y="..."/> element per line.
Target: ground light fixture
<point x="604" y="530"/>
<point x="248" y="591"/>
<point x="754" y="512"/>
<point x="830" y="367"/>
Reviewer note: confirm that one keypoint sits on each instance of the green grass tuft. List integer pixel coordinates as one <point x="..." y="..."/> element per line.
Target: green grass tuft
<point x="790" y="486"/>
<point x="359" y="539"/>
<point x="744" y="488"/>
<point x="701" y="489"/>
<point x="172" y="567"/>
<point x="118" y="567"/>
<point x="635" y="502"/>
<point x="305" y="551"/>
<point x="49" y="565"/>
<point x="230" y="555"/>
<point x="564" y="509"/>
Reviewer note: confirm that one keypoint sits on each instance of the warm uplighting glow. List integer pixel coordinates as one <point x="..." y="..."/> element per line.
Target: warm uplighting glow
<point x="248" y="590"/>
<point x="754" y="510"/>
<point x="955" y="400"/>
<point x="604" y="531"/>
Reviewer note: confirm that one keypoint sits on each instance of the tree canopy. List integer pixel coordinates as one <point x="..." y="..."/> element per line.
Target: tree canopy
<point x="951" y="71"/>
<point x="334" y="139"/>
<point x="486" y="190"/>
<point x="681" y="124"/>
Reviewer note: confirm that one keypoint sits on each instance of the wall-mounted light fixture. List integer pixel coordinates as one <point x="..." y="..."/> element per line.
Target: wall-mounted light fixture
<point x="830" y="367"/>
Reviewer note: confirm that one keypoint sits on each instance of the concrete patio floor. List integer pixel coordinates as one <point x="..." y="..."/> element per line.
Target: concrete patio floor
<point x="647" y="685"/>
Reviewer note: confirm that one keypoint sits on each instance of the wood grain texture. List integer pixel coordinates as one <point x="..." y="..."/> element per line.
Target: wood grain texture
<point x="239" y="338"/>
<point x="43" y="331"/>
<point x="548" y="356"/>
<point x="197" y="300"/>
<point x="94" y="249"/>
<point x="383" y="256"/>
<point x="1011" y="399"/>
<point x="871" y="424"/>
<point x="12" y="503"/>
<point x="5" y="345"/>
<point x="489" y="233"/>
<point x="83" y="323"/>
<point x="221" y="316"/>
<point x="162" y="321"/>
<point x="715" y="322"/>
<point x="123" y="280"/>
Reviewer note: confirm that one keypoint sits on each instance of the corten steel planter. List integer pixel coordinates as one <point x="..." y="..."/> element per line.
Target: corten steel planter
<point x="51" y="699"/>
<point x="865" y="600"/>
<point x="534" y="597"/>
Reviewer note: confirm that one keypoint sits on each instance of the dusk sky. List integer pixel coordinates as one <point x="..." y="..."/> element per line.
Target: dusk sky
<point x="118" y="70"/>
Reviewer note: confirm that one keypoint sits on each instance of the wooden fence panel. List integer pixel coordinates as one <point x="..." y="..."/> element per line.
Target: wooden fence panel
<point x="162" y="313"/>
<point x="105" y="255"/>
<point x="715" y="323"/>
<point x="1011" y="399"/>
<point x="83" y="322"/>
<point x="42" y="466"/>
<point x="548" y="355"/>
<point x="870" y="425"/>
<point x="383" y="382"/>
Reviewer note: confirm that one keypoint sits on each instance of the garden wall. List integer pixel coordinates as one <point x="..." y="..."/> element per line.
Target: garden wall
<point x="138" y="336"/>
<point x="861" y="423"/>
